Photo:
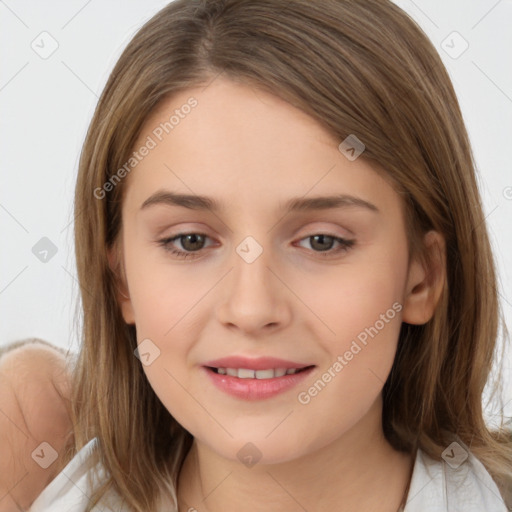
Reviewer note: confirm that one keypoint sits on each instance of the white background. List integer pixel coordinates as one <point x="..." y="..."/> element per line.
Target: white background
<point x="46" y="106"/>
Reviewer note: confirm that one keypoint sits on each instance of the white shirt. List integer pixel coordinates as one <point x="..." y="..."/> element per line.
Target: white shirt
<point x="435" y="487"/>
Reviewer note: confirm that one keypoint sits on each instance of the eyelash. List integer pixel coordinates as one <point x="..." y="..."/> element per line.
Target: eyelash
<point x="345" y="245"/>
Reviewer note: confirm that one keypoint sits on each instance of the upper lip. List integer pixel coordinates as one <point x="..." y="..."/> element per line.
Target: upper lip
<point x="259" y="363"/>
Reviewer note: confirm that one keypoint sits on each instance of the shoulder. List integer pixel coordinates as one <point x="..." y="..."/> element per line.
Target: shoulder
<point x="35" y="361"/>
<point x="38" y="376"/>
<point x="457" y="482"/>
<point x="34" y="386"/>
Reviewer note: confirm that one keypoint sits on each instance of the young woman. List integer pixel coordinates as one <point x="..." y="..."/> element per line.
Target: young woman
<point x="288" y="291"/>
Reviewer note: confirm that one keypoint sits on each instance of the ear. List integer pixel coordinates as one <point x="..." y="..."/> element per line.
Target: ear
<point x="123" y="295"/>
<point x="425" y="281"/>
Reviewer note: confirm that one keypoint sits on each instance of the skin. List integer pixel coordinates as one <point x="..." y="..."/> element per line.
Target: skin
<point x="252" y="152"/>
<point x="34" y="408"/>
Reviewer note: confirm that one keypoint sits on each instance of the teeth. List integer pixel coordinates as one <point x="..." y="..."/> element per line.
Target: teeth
<point x="245" y="373"/>
<point x="264" y="374"/>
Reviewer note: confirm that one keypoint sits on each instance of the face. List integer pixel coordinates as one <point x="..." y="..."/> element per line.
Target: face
<point x="248" y="276"/>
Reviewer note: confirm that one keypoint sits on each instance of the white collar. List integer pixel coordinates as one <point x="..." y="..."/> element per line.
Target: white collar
<point x="438" y="487"/>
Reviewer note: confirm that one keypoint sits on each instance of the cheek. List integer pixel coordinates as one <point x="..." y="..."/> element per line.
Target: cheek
<point x="344" y="300"/>
<point x="163" y="304"/>
<point x="360" y="356"/>
<point x="360" y="306"/>
<point x="163" y="294"/>
<point x="168" y="304"/>
<point x="357" y="365"/>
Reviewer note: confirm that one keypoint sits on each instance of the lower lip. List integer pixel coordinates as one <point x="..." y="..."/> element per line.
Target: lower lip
<point x="256" y="389"/>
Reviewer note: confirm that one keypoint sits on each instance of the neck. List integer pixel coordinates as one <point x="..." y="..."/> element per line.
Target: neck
<point x="359" y="470"/>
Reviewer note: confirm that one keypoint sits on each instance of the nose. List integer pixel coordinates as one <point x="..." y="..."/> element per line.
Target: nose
<point x="254" y="298"/>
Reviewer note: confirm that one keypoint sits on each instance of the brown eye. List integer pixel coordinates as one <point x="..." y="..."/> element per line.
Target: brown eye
<point x="192" y="242"/>
<point x="323" y="243"/>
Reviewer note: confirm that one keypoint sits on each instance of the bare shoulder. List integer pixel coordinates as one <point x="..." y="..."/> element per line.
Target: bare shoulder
<point x="35" y="424"/>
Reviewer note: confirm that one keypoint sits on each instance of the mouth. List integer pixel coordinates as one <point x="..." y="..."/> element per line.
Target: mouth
<point x="252" y="385"/>
<point x="247" y="373"/>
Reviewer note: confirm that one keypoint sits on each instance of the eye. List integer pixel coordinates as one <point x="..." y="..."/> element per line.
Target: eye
<point x="194" y="242"/>
<point x="189" y="241"/>
<point x="324" y="243"/>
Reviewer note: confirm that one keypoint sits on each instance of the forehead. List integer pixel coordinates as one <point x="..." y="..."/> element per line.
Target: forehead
<point x="243" y="146"/>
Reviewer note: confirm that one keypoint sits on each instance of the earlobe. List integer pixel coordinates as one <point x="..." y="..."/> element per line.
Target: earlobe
<point x="425" y="281"/>
<point x="127" y="311"/>
<point x="122" y="295"/>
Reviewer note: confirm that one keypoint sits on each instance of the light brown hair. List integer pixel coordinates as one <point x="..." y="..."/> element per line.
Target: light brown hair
<point x="359" y="67"/>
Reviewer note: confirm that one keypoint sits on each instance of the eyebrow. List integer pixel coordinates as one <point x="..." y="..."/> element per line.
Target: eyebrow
<point x="298" y="204"/>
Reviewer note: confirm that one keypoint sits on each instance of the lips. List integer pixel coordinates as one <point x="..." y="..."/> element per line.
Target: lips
<point x="247" y="373"/>
<point x="251" y="385"/>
